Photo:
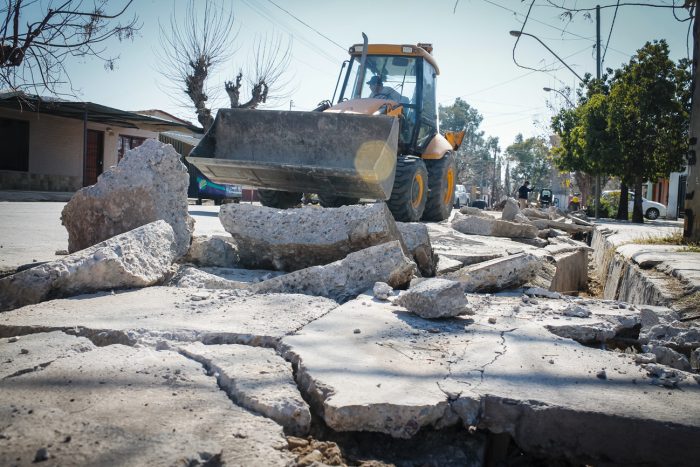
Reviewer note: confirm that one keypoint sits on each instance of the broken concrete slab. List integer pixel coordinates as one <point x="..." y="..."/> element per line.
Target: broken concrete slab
<point x="211" y="251"/>
<point x="148" y="184"/>
<point x="415" y="236"/>
<point x="347" y="278"/>
<point x="532" y="213"/>
<point x="256" y="379"/>
<point x="294" y="239"/>
<point x="469" y="211"/>
<point x="571" y="268"/>
<point x="118" y="404"/>
<point x="498" y="274"/>
<point x="191" y="277"/>
<point x="435" y="298"/>
<point x="500" y="370"/>
<point x="25" y="354"/>
<point x="489" y="226"/>
<point x="570" y="228"/>
<point x="446" y="264"/>
<point x="668" y="357"/>
<point x="139" y="258"/>
<point x="156" y="313"/>
<point x="382" y="291"/>
<point x="510" y="209"/>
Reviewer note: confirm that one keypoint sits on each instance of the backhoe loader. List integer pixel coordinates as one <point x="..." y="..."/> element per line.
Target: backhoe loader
<point x="380" y="140"/>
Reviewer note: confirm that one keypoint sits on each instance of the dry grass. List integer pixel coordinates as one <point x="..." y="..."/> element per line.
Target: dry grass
<point x="676" y="238"/>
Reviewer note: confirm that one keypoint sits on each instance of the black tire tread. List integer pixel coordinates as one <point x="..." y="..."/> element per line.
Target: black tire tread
<point x="435" y="209"/>
<point x="332" y="201"/>
<point x="400" y="201"/>
<point x="279" y="199"/>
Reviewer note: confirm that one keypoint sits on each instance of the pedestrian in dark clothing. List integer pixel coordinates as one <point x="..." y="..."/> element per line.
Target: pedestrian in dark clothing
<point x="523" y="192"/>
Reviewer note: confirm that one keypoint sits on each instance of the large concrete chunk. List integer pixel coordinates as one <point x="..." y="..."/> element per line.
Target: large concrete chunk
<point x="148" y="184"/>
<point x="118" y="405"/>
<point x="139" y="258"/>
<point x="256" y="379"/>
<point x="155" y="313"/>
<point x="415" y="236"/>
<point x="476" y="225"/>
<point x="345" y="279"/>
<point x="26" y="354"/>
<point x="435" y="298"/>
<point x="211" y="251"/>
<point x="498" y="274"/>
<point x="500" y="370"/>
<point x="294" y="239"/>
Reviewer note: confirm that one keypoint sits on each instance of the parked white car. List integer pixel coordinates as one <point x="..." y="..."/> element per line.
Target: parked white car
<point x="461" y="196"/>
<point x="652" y="210"/>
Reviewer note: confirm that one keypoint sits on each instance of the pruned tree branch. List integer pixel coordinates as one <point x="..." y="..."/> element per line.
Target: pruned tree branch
<point x="33" y="57"/>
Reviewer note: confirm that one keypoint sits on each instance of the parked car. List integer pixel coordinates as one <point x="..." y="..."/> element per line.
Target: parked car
<point x="461" y="196"/>
<point x="651" y="209"/>
<point x="479" y="203"/>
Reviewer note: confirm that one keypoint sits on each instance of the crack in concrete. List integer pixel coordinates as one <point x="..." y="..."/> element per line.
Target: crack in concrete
<point x="99" y="337"/>
<point x="24" y="371"/>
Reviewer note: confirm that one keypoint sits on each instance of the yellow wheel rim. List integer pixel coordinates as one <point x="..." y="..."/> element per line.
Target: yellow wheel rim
<point x="417" y="190"/>
<point x="450" y="189"/>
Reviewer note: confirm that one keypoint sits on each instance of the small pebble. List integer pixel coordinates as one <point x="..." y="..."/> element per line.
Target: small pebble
<point x="357" y="331"/>
<point x="42" y="454"/>
<point x="13" y="339"/>
<point x="24" y="351"/>
<point x="601" y="375"/>
<point x="492" y="320"/>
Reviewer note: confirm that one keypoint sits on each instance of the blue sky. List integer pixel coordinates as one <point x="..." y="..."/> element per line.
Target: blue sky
<point x="471" y="45"/>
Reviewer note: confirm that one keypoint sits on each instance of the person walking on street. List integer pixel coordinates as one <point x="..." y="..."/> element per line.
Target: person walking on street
<point x="523" y="193"/>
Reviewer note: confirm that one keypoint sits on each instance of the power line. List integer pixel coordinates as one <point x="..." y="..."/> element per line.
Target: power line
<point x="309" y="26"/>
<point x="607" y="43"/>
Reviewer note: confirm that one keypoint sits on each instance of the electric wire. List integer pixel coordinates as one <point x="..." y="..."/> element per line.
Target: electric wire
<point x="309" y="26"/>
<point x="607" y="42"/>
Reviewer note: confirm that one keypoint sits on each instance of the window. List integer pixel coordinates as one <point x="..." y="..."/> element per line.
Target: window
<point x="126" y="143"/>
<point x="14" y="135"/>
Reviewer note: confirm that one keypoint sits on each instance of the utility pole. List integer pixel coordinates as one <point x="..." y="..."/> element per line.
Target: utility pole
<point x="493" y="182"/>
<point x="691" y="218"/>
<point x="291" y="104"/>
<point x="598" y="65"/>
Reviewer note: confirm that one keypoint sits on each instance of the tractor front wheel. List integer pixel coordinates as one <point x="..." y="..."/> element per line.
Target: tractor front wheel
<point x="332" y="201"/>
<point x="442" y="175"/>
<point x="410" y="191"/>
<point x="279" y="199"/>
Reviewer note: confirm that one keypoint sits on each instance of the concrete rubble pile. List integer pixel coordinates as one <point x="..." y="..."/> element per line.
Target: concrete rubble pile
<point x="232" y="349"/>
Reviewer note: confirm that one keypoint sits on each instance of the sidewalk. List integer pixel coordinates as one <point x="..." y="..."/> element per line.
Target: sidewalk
<point x="19" y="195"/>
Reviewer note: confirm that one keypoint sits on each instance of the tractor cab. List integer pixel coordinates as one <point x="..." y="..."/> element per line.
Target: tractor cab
<point x="398" y="80"/>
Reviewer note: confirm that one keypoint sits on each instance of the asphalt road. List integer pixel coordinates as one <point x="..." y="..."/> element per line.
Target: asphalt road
<point x="31" y="232"/>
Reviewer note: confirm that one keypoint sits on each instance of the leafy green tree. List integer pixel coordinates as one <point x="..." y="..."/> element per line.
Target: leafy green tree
<point x="648" y="116"/>
<point x="474" y="162"/>
<point x="533" y="161"/>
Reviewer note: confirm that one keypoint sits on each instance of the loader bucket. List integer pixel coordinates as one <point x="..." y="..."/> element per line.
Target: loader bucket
<point x="312" y="152"/>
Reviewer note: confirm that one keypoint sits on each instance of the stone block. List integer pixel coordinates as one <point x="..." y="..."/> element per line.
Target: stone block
<point x="415" y="236"/>
<point x="292" y="239"/>
<point x="211" y="251"/>
<point x="346" y="278"/>
<point x="489" y="226"/>
<point x="139" y="258"/>
<point x="148" y="184"/>
<point x="435" y="298"/>
<point x="497" y="274"/>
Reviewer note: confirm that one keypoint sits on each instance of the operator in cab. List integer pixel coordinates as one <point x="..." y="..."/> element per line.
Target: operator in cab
<point x="379" y="91"/>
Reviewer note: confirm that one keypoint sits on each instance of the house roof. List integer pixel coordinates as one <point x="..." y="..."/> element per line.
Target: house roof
<point x="86" y="110"/>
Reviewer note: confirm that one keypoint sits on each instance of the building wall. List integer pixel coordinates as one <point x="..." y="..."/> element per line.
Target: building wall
<point x="56" y="151"/>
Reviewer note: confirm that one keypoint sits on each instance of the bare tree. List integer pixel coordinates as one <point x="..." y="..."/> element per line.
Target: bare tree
<point x="35" y="41"/>
<point x="191" y="49"/>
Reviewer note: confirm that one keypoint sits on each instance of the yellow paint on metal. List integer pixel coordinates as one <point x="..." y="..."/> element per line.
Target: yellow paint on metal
<point x="393" y="49"/>
<point x="437" y="148"/>
<point x="394" y="111"/>
<point x="450" y="186"/>
<point x="454" y="138"/>
<point x="375" y="161"/>
<point x="419" y="183"/>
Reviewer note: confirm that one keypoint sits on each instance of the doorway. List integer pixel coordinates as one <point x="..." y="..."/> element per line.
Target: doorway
<point x="94" y="156"/>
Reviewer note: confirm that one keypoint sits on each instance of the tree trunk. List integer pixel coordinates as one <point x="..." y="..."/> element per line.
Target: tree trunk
<point x="622" y="209"/>
<point x="637" y="213"/>
<point x="691" y="230"/>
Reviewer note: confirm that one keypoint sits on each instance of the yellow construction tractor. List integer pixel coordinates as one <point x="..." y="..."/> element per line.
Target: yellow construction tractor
<point x="380" y="140"/>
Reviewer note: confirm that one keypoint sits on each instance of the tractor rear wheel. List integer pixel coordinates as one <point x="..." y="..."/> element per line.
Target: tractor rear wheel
<point x="279" y="199"/>
<point x="332" y="201"/>
<point x="410" y="190"/>
<point x="442" y="176"/>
